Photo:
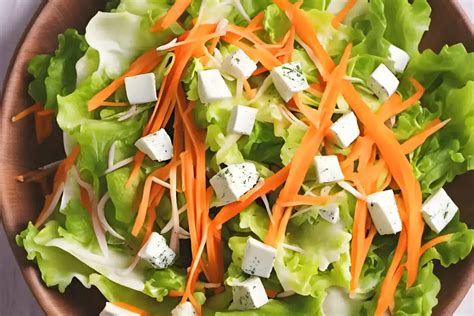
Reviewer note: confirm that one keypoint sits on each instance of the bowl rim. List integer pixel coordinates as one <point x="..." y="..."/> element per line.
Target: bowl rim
<point x="29" y="277"/>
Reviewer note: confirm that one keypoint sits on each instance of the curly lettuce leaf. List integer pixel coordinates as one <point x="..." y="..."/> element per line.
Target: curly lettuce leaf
<point x="38" y="68"/>
<point x="160" y="282"/>
<point x="275" y="23"/>
<point x="262" y="145"/>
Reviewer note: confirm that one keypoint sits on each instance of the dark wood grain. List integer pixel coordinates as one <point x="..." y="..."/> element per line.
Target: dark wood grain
<point x="19" y="152"/>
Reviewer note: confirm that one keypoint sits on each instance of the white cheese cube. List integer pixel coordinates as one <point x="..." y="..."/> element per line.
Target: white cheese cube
<point x="239" y="65"/>
<point x="211" y="86"/>
<point x="157" y="252"/>
<point x="383" y="82"/>
<point x="345" y="129"/>
<point x="235" y="180"/>
<point x="141" y="89"/>
<point x="289" y="80"/>
<point x="241" y="120"/>
<point x="157" y="146"/>
<point x="114" y="310"/>
<point x="185" y="309"/>
<point x="249" y="294"/>
<point x="330" y="213"/>
<point x="327" y="169"/>
<point x="399" y="57"/>
<point x="438" y="210"/>
<point x="384" y="212"/>
<point x="258" y="258"/>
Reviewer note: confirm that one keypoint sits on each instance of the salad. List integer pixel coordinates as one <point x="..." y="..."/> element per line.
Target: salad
<point x="244" y="157"/>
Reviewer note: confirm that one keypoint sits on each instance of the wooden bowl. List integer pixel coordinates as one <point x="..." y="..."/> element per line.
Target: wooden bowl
<point x="19" y="203"/>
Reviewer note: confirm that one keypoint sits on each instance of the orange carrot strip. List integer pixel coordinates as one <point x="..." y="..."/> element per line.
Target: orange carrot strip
<point x="417" y="140"/>
<point x="392" y="153"/>
<point x="258" y="54"/>
<point x="146" y="62"/>
<point x="44" y="125"/>
<point x="271" y="293"/>
<point x="342" y="14"/>
<point x="28" y="111"/>
<point x="106" y="103"/>
<point x="435" y="241"/>
<point x="385" y="111"/>
<point x="35" y="175"/>
<point x="173" y="14"/>
<point x="249" y="92"/>
<point x="131" y="308"/>
<point x="393" y="107"/>
<point x="174" y="293"/>
<point x="256" y="22"/>
<point x="305" y="200"/>
<point x="311" y="114"/>
<point x="387" y="294"/>
<point x="358" y="236"/>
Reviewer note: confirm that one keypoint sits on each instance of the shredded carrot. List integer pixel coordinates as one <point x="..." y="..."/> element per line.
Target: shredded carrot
<point x="28" y="111"/>
<point x="173" y="14"/>
<point x="131" y="308"/>
<point x="44" y="125"/>
<point x="394" y="105"/>
<point x="271" y="293"/>
<point x="249" y="92"/>
<point x="297" y="200"/>
<point x="59" y="179"/>
<point x="306" y="32"/>
<point x="174" y="293"/>
<point x="387" y="294"/>
<point x="145" y="63"/>
<point x="256" y="22"/>
<point x="392" y="153"/>
<point x="311" y="114"/>
<point x="258" y="53"/>
<point x="435" y="241"/>
<point x="343" y="13"/>
<point x="417" y="140"/>
<point x="259" y="71"/>
<point x="35" y="175"/>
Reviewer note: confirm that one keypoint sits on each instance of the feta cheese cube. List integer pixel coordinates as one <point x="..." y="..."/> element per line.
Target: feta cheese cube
<point x="384" y="212"/>
<point x="185" y="309"/>
<point x="235" y="180"/>
<point x="345" y="129"/>
<point x="399" y="57"/>
<point x="383" y="82"/>
<point x="239" y="65"/>
<point x="438" y="210"/>
<point x="328" y="169"/>
<point x="157" y="146"/>
<point x="242" y="120"/>
<point x="289" y="80"/>
<point x="141" y="89"/>
<point x="157" y="252"/>
<point x="258" y="258"/>
<point x="249" y="294"/>
<point x="114" y="310"/>
<point x="330" y="213"/>
<point x="211" y="86"/>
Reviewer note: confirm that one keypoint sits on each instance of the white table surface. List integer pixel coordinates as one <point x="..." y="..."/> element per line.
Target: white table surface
<point x="15" y="297"/>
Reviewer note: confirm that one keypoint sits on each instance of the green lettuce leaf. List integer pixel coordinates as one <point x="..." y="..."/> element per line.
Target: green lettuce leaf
<point x="160" y="282"/>
<point x="262" y="145"/>
<point x="276" y="23"/>
<point x="38" y="68"/>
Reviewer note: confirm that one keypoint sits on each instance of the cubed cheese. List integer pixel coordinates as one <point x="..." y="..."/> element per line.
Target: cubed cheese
<point x="384" y="212"/>
<point x="289" y="80"/>
<point x="211" y="86"/>
<point x="249" y="294"/>
<point x="345" y="129"/>
<point x="330" y="213"/>
<point x="239" y="65"/>
<point x="235" y="180"/>
<point x="383" y="82"/>
<point x="157" y="146"/>
<point x="114" y="310"/>
<point x="242" y="120"/>
<point x="327" y="169"/>
<point x="157" y="252"/>
<point x="399" y="57"/>
<point x="258" y="258"/>
<point x="438" y="210"/>
<point x="141" y="89"/>
<point x="185" y="309"/>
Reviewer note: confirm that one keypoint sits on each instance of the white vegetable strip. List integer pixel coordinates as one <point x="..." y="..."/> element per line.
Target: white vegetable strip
<point x="112" y="154"/>
<point x="52" y="205"/>
<point x="286" y="294"/>
<point x="267" y="207"/>
<point x="161" y="182"/>
<point x="293" y="248"/>
<point x="50" y="165"/>
<point x="310" y="53"/>
<point x="346" y="186"/>
<point x="132" y="265"/>
<point x="302" y="211"/>
<point x="213" y="62"/>
<point x="169" y="225"/>
<point x="239" y="88"/>
<point x="103" y="220"/>
<point x="264" y="87"/>
<point x="168" y="45"/>
<point x="238" y="5"/>
<point x="99" y="232"/>
<point x="221" y="27"/>
<point x="119" y="165"/>
<point x="291" y="117"/>
<point x="174" y="243"/>
<point x="228" y="142"/>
